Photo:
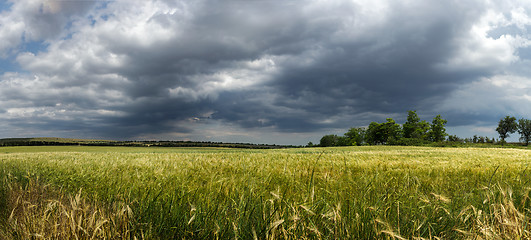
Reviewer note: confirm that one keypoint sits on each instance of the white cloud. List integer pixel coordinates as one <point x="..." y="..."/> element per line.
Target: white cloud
<point x="493" y="96"/>
<point x="11" y="29"/>
<point x="38" y="20"/>
<point x="30" y="98"/>
<point x="478" y="50"/>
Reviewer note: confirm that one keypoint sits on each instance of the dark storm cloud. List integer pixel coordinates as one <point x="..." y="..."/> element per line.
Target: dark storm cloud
<point x="154" y="116"/>
<point x="390" y="70"/>
<point x="216" y="38"/>
<point x="235" y="108"/>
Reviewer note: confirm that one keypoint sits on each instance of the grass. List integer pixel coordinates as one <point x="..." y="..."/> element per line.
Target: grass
<point x="38" y="212"/>
<point x="314" y="193"/>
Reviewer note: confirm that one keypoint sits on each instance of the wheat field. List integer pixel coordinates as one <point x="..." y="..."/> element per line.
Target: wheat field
<point x="372" y="192"/>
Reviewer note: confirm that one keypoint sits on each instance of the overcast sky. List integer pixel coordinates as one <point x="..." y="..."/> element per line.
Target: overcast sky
<point x="261" y="71"/>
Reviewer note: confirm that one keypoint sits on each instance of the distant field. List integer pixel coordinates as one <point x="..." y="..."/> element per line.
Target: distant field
<point x="312" y="193"/>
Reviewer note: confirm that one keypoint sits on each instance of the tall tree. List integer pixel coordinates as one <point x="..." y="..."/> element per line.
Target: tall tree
<point x="356" y="135"/>
<point x="524" y="128"/>
<point x="422" y="130"/>
<point x="383" y="133"/>
<point x="414" y="127"/>
<point x="343" y="141"/>
<point x="410" y="126"/>
<point x="392" y="130"/>
<point x="505" y="126"/>
<point x="374" y="134"/>
<point x="328" y="140"/>
<point x="437" y="131"/>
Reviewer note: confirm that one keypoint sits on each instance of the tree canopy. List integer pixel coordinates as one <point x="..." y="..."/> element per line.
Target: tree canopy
<point x="506" y="126"/>
<point x="524" y="128"/>
<point x="437" y="131"/>
<point x="383" y="133"/>
<point x="414" y="131"/>
<point x="414" y="127"/>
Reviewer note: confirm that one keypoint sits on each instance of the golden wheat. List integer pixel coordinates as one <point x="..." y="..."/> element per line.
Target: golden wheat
<point x="336" y="193"/>
<point x="38" y="211"/>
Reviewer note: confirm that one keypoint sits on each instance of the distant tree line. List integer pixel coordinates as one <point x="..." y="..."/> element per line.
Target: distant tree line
<point x="8" y="142"/>
<point x="413" y="132"/>
<point x="420" y="132"/>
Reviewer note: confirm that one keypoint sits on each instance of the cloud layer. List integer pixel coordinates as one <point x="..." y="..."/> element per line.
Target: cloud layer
<point x="257" y="70"/>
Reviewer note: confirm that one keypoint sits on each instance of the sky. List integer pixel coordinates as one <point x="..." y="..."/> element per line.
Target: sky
<point x="259" y="71"/>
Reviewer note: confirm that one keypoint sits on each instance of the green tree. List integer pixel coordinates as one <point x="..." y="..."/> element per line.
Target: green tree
<point x="392" y="130"/>
<point x="414" y="127"/>
<point x="524" y="128"/>
<point x="411" y="124"/>
<point x="374" y="134"/>
<point x="356" y="135"/>
<point x="422" y="130"/>
<point x="343" y="141"/>
<point x="437" y="131"/>
<point x="505" y="126"/>
<point x="383" y="133"/>
<point x="328" y="140"/>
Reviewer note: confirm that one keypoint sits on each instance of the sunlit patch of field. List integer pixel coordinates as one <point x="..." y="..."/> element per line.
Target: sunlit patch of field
<point x="312" y="193"/>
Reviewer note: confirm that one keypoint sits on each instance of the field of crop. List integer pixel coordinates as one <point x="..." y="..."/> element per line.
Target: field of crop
<point x="313" y="193"/>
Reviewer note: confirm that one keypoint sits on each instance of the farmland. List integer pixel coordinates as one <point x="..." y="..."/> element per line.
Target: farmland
<point x="365" y="192"/>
